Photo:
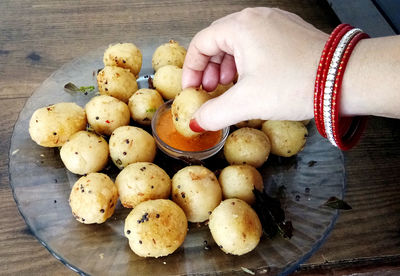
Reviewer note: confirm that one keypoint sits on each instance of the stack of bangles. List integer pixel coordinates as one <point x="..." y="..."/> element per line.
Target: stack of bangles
<point x="342" y="132"/>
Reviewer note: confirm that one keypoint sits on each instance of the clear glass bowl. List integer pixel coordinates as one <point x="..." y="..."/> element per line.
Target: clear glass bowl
<point x="41" y="186"/>
<point x="176" y="153"/>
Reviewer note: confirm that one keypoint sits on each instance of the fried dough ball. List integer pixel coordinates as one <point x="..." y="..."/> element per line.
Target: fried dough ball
<point x="125" y="55"/>
<point x="184" y="106"/>
<point x="255" y="123"/>
<point x="93" y="198"/>
<point x="143" y="104"/>
<point x="155" y="228"/>
<point x="142" y="181"/>
<point x="287" y="137"/>
<point x="117" y="82"/>
<point x="170" y="53"/>
<point x="85" y="152"/>
<point x="129" y="144"/>
<point x="106" y="113"/>
<point x="235" y="227"/>
<point x="306" y="122"/>
<point x="247" y="146"/>
<point x="221" y="89"/>
<point x="196" y="190"/>
<point x="239" y="181"/>
<point x="51" y="126"/>
<point x="167" y="80"/>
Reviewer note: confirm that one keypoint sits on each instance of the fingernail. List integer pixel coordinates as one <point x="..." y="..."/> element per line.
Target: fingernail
<point x="195" y="126"/>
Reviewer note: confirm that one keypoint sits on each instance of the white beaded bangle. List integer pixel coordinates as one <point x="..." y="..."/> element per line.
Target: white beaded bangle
<point x="330" y="80"/>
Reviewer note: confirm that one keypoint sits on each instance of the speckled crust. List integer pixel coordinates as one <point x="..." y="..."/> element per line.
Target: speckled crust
<point x="129" y="144"/>
<point x="117" y="82"/>
<point x="184" y="106"/>
<point x="85" y="152"/>
<point x="142" y="181"/>
<point x="235" y="227"/>
<point x="106" y="113"/>
<point x="143" y="104"/>
<point x="197" y="191"/>
<point x="167" y="80"/>
<point x="156" y="228"/>
<point x="170" y="53"/>
<point x="247" y="146"/>
<point x="51" y="126"/>
<point x="239" y="181"/>
<point x="124" y="55"/>
<point x="93" y="198"/>
<point x="287" y="137"/>
<point x="256" y="123"/>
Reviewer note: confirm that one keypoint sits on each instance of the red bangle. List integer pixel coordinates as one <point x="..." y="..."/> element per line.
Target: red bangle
<point x="323" y="66"/>
<point x="346" y="130"/>
<point x="341" y="132"/>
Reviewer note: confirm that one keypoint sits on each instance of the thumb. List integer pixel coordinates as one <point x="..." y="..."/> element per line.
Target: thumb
<point x="230" y="108"/>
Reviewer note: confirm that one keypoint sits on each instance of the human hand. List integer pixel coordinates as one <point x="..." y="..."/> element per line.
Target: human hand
<point x="275" y="54"/>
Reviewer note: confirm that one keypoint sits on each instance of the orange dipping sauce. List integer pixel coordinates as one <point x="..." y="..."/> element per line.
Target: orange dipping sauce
<point x="168" y="134"/>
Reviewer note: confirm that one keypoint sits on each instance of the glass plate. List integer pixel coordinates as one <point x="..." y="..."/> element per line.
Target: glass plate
<point x="41" y="187"/>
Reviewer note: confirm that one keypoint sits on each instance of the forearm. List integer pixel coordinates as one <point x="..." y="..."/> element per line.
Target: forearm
<point x="371" y="83"/>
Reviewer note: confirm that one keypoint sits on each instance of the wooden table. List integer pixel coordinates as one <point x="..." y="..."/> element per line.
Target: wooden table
<point x="37" y="37"/>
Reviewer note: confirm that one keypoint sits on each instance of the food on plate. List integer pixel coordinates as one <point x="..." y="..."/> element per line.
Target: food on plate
<point x="84" y="152"/>
<point x="156" y="228"/>
<point x="167" y="132"/>
<point x="235" y="227"/>
<point x="142" y="181"/>
<point x="170" y="53"/>
<point x="255" y="123"/>
<point x="117" y="82"/>
<point x="93" y="198"/>
<point x="305" y="122"/>
<point x="239" y="181"/>
<point x="221" y="89"/>
<point x="197" y="191"/>
<point x="51" y="126"/>
<point x="105" y="114"/>
<point x="167" y="80"/>
<point x="129" y="144"/>
<point x="287" y="137"/>
<point x="125" y="55"/>
<point x="184" y="106"/>
<point x="143" y="104"/>
<point x="247" y="146"/>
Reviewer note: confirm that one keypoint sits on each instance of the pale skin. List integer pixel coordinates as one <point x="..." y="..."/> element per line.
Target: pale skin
<point x="276" y="54"/>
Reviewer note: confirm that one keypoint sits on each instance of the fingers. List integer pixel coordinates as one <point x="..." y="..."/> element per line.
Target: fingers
<point x="211" y="77"/>
<point x="208" y="43"/>
<point x="227" y="69"/>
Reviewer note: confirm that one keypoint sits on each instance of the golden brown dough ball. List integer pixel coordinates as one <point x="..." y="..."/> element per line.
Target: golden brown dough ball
<point x="125" y="55"/>
<point x="255" y="123"/>
<point x="235" y="227"/>
<point x="51" y="126"/>
<point x="129" y="144"/>
<point x="143" y="104"/>
<point x="167" y="80"/>
<point x="184" y="106"/>
<point x="85" y="152"/>
<point x="239" y="181"/>
<point x="287" y="137"/>
<point x="106" y="113"/>
<point x="142" y="181"/>
<point x="170" y="53"/>
<point x="221" y="89"/>
<point x="156" y="228"/>
<point x="306" y="122"/>
<point x="117" y="82"/>
<point x="196" y="190"/>
<point x="247" y="146"/>
<point x="93" y="198"/>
